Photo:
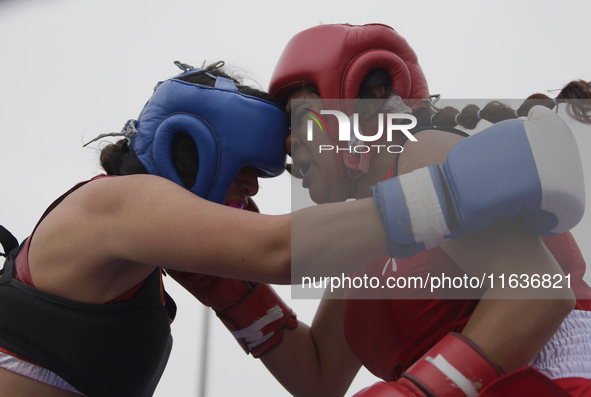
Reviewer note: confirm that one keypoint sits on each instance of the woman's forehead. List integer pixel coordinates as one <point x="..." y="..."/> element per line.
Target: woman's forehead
<point x="301" y="93"/>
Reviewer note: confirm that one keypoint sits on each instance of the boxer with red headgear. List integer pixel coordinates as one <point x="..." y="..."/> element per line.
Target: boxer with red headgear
<point x="335" y="59"/>
<point x="397" y="338"/>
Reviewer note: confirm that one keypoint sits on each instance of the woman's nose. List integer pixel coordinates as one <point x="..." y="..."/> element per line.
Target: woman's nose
<point x="292" y="144"/>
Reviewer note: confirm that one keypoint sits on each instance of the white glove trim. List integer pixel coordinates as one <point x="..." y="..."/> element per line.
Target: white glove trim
<point x="428" y="223"/>
<point x="452" y="373"/>
<point x="252" y="331"/>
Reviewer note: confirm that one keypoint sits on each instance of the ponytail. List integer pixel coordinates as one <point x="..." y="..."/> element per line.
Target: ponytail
<point x="120" y="159"/>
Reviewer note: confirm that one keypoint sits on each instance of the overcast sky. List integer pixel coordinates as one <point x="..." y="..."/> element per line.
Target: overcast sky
<point x="72" y="69"/>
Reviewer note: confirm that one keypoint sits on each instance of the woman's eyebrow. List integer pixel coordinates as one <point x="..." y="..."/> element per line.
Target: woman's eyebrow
<point x="291" y="109"/>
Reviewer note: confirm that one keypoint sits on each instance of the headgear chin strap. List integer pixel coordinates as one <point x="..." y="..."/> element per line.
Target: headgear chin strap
<point x="231" y="130"/>
<point x="336" y="59"/>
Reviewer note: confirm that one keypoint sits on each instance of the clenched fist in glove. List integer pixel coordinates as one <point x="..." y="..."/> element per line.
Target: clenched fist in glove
<point x="253" y="312"/>
<point x="454" y="367"/>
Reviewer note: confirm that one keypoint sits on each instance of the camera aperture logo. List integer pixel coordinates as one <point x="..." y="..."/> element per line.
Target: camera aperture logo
<point x="344" y="133"/>
<point x="317" y="118"/>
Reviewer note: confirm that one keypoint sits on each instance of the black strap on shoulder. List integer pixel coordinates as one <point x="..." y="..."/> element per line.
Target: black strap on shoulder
<point x="59" y="200"/>
<point x="417" y="130"/>
<point x="170" y="306"/>
<point x="8" y="241"/>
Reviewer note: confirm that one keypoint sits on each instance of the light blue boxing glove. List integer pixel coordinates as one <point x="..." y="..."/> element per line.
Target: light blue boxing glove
<point x="529" y="169"/>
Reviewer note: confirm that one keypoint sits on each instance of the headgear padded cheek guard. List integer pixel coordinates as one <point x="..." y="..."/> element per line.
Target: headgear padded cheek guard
<point x="336" y="59"/>
<point x="231" y="130"/>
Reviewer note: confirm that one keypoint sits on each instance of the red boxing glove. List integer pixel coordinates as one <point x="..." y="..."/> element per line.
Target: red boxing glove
<point x="524" y="382"/>
<point x="402" y="388"/>
<point x="253" y="312"/>
<point x="454" y="367"/>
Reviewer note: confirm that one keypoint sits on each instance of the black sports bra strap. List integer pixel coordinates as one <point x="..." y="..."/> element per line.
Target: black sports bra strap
<point x="59" y="200"/>
<point x="8" y="241"/>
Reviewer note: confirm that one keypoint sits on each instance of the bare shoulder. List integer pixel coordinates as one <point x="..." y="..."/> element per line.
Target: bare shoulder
<point x="125" y="206"/>
<point x="431" y="147"/>
<point x="103" y="193"/>
<point x="150" y="220"/>
<point x="80" y="238"/>
<point x="130" y="198"/>
<point x="94" y="221"/>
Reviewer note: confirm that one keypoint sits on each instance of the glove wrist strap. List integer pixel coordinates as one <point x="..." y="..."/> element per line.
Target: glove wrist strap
<point x="455" y="366"/>
<point x="258" y="320"/>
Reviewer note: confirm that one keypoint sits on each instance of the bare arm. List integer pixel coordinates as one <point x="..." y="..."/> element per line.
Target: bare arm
<point x="315" y="361"/>
<point x="512" y="325"/>
<point x="152" y="221"/>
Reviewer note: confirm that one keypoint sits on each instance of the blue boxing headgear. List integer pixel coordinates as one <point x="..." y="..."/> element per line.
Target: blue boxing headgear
<point x="231" y="130"/>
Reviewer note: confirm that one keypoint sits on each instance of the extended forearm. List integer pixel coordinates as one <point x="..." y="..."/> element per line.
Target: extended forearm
<point x="336" y="238"/>
<point x="315" y="361"/>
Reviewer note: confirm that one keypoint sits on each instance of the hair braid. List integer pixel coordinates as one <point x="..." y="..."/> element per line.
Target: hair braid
<point x="576" y="95"/>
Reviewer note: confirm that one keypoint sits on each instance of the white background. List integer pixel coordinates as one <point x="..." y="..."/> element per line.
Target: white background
<point x="70" y="70"/>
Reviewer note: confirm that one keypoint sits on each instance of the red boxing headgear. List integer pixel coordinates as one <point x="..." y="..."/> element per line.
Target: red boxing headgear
<point x="336" y="59"/>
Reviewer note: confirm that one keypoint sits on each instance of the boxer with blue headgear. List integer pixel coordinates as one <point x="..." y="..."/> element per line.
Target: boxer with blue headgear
<point x="205" y="132"/>
<point x="231" y="130"/>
